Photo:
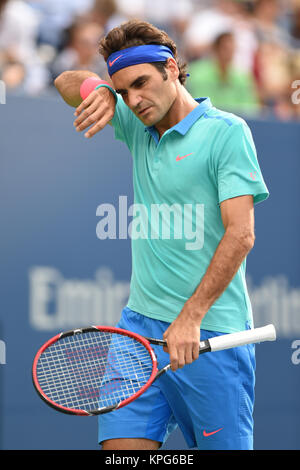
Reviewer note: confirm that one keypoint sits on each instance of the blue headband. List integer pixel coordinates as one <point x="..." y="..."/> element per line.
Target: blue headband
<point x="137" y="55"/>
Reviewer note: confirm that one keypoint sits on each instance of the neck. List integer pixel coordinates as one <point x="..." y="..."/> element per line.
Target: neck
<point x="223" y="67"/>
<point x="183" y="104"/>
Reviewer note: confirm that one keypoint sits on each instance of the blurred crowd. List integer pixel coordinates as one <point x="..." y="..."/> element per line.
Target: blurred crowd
<point x="244" y="54"/>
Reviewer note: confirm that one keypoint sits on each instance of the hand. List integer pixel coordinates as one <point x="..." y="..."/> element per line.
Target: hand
<point x="183" y="337"/>
<point x="96" y="110"/>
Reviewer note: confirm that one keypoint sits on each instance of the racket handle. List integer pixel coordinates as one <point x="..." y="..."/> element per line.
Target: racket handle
<point x="232" y="340"/>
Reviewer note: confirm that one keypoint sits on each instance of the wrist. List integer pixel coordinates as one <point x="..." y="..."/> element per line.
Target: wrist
<point x="107" y="85"/>
<point x="93" y="83"/>
<point x="193" y="311"/>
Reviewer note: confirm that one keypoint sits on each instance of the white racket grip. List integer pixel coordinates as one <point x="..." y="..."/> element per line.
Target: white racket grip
<point x="232" y="340"/>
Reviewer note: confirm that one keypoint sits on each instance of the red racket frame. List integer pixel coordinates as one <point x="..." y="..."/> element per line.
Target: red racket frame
<point x="107" y="329"/>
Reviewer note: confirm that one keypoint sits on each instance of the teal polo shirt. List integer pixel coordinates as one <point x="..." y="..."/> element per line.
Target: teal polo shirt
<point x="179" y="182"/>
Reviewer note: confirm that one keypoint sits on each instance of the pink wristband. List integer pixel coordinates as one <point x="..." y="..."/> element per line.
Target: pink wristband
<point x="89" y="85"/>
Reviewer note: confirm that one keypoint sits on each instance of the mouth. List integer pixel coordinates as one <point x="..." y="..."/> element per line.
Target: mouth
<point x="144" y="111"/>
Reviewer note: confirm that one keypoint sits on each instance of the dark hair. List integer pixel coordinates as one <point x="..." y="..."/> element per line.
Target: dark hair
<point x="219" y="39"/>
<point x="2" y="4"/>
<point x="138" y="33"/>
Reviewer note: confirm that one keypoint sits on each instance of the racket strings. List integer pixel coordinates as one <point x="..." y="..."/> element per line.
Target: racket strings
<point x="93" y="370"/>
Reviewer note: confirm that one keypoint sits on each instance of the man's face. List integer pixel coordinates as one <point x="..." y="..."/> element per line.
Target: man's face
<point x="145" y="91"/>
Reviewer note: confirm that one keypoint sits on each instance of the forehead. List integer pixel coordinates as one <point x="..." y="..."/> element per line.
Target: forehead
<point x="124" y="77"/>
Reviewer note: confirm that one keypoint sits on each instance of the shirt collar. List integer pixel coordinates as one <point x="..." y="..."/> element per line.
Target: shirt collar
<point x="185" y="124"/>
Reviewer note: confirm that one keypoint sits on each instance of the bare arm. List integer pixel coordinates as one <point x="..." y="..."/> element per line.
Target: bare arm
<point x="183" y="335"/>
<point x="68" y="85"/>
<point x="95" y="111"/>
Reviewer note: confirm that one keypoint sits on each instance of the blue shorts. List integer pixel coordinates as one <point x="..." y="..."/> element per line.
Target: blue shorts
<point x="211" y="400"/>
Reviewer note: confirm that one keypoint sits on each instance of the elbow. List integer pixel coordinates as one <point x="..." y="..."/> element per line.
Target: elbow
<point x="60" y="79"/>
<point x="243" y="239"/>
<point x="247" y="241"/>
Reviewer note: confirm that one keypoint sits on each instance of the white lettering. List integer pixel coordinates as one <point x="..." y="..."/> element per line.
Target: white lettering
<point x="274" y="301"/>
<point x="296" y="94"/>
<point x="162" y="212"/>
<point x="2" y="352"/>
<point x="109" y="221"/>
<point x="138" y="227"/>
<point x="189" y="217"/>
<point x="2" y="92"/>
<point x="117" y="460"/>
<point x="198" y="233"/>
<point x="58" y="303"/>
<point x="296" y="353"/>
<point x="123" y="218"/>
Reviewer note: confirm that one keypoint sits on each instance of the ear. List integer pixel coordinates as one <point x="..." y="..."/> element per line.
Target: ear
<point x="172" y="68"/>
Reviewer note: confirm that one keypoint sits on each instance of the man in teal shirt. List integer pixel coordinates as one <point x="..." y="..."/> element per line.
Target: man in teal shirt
<point x="195" y="166"/>
<point x="205" y="159"/>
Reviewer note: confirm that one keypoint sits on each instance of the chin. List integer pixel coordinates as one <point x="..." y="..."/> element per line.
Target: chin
<point x="152" y="121"/>
<point x="147" y="121"/>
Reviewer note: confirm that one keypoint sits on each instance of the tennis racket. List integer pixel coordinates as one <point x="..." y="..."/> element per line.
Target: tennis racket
<point x="98" y="369"/>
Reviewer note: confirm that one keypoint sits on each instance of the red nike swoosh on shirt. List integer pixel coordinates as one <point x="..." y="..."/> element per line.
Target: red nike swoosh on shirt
<point x="112" y="62"/>
<point x="180" y="158"/>
<point x="205" y="434"/>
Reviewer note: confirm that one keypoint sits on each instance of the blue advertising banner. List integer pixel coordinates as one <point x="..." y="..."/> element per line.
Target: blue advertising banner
<point x="58" y="272"/>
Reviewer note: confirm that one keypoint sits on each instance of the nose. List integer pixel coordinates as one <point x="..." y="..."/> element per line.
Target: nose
<point x="134" y="99"/>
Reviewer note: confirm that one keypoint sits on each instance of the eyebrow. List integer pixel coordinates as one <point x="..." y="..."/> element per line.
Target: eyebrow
<point x="134" y="83"/>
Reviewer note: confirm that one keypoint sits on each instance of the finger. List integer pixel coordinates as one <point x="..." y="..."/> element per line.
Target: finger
<point x="88" y="121"/>
<point x="189" y="355"/>
<point x="174" y="364"/>
<point x="85" y="114"/>
<point x="165" y="335"/>
<point x="96" y="128"/>
<point x="84" y="104"/>
<point x="195" y="351"/>
<point x="173" y="358"/>
<point x="181" y="355"/>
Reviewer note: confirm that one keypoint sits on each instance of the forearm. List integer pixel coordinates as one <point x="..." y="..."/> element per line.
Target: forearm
<point x="183" y="335"/>
<point x="68" y="85"/>
<point x="224" y="265"/>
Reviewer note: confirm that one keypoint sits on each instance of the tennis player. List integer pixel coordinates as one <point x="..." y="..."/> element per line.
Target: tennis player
<point x="203" y="160"/>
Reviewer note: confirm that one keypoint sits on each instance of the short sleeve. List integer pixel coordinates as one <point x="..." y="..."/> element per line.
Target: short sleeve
<point x="238" y="170"/>
<point x="124" y="123"/>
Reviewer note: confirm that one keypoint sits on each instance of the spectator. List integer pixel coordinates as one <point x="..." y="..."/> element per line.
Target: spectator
<point x="284" y="96"/>
<point x="81" y="51"/>
<point x="174" y="21"/>
<point x="229" y="88"/>
<point x="106" y="14"/>
<point x="272" y="63"/>
<point x="18" y="29"/>
<point x="132" y="8"/>
<point x="272" y="73"/>
<point x="20" y="65"/>
<point x="224" y="15"/>
<point x="295" y="85"/>
<point x="159" y="12"/>
<point x="265" y="20"/>
<point x="56" y="16"/>
<point x="41" y="38"/>
<point x="287" y="105"/>
<point x="295" y="28"/>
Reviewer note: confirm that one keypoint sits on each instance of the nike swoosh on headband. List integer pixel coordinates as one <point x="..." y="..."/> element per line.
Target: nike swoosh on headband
<point x="113" y="61"/>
